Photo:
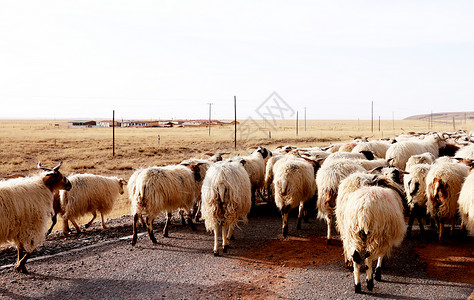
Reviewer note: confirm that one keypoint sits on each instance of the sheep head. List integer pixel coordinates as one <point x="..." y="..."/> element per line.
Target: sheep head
<point x="54" y="180"/>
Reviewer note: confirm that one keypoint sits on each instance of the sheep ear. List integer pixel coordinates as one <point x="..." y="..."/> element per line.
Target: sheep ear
<point x="243" y="162"/>
<point x="123" y="181"/>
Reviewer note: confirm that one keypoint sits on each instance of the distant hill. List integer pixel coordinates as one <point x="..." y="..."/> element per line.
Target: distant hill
<point x="444" y="116"/>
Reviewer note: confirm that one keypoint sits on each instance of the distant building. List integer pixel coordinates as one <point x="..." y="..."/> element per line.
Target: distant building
<point x="82" y="123"/>
<point x="107" y="123"/>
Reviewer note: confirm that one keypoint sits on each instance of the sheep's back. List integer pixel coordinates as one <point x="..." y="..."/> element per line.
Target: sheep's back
<point x="377" y="211"/>
<point x="294" y="182"/>
<point x="225" y="195"/>
<point x="89" y="193"/>
<point x="160" y="189"/>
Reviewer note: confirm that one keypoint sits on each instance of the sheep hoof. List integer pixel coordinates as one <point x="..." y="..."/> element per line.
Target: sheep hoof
<point x="216" y="253"/>
<point x="22" y="269"/>
<point x="370" y="284"/>
<point x="329" y="242"/>
<point x="87" y="226"/>
<point x="378" y="274"/>
<point x="358" y="288"/>
<point x="226" y="247"/>
<point x="165" y="234"/>
<point x="298" y="225"/>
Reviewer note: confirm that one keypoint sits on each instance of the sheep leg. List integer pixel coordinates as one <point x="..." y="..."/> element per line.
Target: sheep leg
<point x="370" y="273"/>
<point x="54" y="219"/>
<point x="149" y="229"/>
<point x="134" y="236"/>
<point x="300" y="216"/>
<point x="329" y="221"/>
<point x="94" y="215"/>
<point x="65" y="226"/>
<point x="20" y="266"/>
<point x="357" y="260"/>
<point x="225" y="240"/>
<point x="190" y="221"/>
<point x="216" y="240"/>
<point x="440" y="230"/>
<point x="183" y="220"/>
<point x="198" y="212"/>
<point x="378" y="269"/>
<point x="167" y="223"/>
<point x="410" y="221"/>
<point x="418" y="217"/>
<point x="103" y="223"/>
<point x="76" y="226"/>
<point x="284" y="214"/>
<point x="451" y="232"/>
<point x="230" y="234"/>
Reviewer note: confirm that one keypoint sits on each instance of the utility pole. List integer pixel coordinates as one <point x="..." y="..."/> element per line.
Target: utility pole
<point x="297" y="123"/>
<point x="210" y="104"/>
<point x="305" y="119"/>
<point x="372" y="118"/>
<point x="235" y="123"/>
<point x="393" y="120"/>
<point x="113" y="133"/>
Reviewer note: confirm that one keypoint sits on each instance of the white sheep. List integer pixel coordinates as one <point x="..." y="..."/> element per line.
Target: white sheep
<point x="226" y="198"/>
<point x="373" y="224"/>
<point x="294" y="182"/>
<point x="327" y="181"/>
<point x="255" y="167"/>
<point x="466" y="152"/>
<point x="399" y="153"/>
<point x="26" y="205"/>
<point x="379" y="148"/>
<point x="90" y="193"/>
<point x="424" y="158"/>
<point x="443" y="185"/>
<point x="415" y="189"/>
<point x="466" y="201"/>
<point x="368" y="155"/>
<point x="163" y="189"/>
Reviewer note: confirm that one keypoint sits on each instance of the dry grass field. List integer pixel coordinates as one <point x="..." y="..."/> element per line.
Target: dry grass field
<point x="25" y="142"/>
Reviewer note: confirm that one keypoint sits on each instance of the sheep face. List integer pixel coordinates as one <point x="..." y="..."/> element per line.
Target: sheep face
<point x="122" y="182"/>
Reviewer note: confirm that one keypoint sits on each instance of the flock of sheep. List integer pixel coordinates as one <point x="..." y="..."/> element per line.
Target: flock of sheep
<point x="363" y="189"/>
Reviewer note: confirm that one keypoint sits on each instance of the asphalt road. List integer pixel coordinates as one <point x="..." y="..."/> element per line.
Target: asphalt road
<point x="101" y="264"/>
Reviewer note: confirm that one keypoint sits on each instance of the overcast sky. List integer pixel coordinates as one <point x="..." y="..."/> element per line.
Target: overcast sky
<point x="168" y="59"/>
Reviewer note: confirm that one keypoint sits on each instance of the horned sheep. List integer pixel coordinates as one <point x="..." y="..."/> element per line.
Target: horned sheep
<point x="26" y="205"/>
<point x="90" y="193"/>
<point x="226" y="198"/>
<point x="163" y="189"/>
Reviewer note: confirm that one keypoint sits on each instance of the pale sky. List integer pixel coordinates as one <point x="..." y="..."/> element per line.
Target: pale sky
<point x="168" y="59"/>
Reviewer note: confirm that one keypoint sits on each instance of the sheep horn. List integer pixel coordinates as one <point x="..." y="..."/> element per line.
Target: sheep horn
<point x="42" y="168"/>
<point x="55" y="169"/>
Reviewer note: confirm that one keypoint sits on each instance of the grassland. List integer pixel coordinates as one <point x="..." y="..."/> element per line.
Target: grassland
<point x="89" y="150"/>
